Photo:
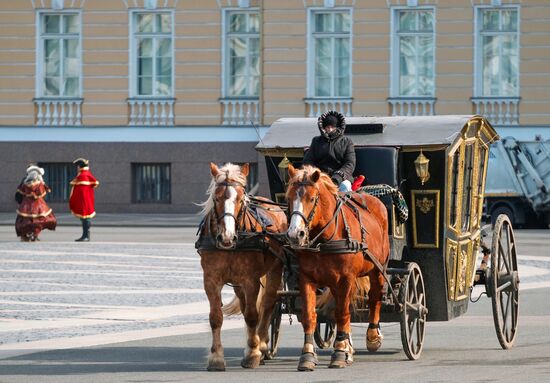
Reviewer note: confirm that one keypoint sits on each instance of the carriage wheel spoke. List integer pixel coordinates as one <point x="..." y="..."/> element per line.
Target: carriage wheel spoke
<point x="419" y="329"/>
<point x="504" y="258"/>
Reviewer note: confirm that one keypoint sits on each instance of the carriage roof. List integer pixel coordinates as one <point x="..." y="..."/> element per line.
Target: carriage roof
<point x="419" y="131"/>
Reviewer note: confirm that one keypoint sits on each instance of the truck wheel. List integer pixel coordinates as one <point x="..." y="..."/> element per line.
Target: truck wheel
<point x="502" y="210"/>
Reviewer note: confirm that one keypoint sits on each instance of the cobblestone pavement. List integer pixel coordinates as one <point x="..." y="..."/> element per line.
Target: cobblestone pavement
<point x="70" y="290"/>
<point x="63" y="294"/>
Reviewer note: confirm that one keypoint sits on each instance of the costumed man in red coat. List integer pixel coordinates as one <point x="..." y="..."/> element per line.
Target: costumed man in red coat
<point x="82" y="202"/>
<point x="33" y="214"/>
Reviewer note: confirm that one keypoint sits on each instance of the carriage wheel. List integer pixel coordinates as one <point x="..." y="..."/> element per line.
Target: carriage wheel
<point x="413" y="316"/>
<point x="324" y="334"/>
<point x="274" y="331"/>
<point x="503" y="281"/>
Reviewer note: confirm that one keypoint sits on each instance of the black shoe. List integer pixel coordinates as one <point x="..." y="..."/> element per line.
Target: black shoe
<point x="83" y="239"/>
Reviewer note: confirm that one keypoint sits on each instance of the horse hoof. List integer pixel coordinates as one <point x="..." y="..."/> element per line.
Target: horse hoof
<point x="268" y="356"/>
<point x="340" y="359"/>
<point x="374" y="344"/>
<point x="308" y="361"/>
<point x="250" y="362"/>
<point x="216" y="365"/>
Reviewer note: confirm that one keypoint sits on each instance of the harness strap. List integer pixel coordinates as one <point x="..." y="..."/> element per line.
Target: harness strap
<point x="339" y="205"/>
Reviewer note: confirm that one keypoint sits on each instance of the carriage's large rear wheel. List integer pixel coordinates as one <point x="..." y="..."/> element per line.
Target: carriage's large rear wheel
<point x="413" y="316"/>
<point x="503" y="281"/>
<point x="274" y="331"/>
<point x="324" y="334"/>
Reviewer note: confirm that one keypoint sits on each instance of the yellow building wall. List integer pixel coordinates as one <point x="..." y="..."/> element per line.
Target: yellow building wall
<point x="198" y="59"/>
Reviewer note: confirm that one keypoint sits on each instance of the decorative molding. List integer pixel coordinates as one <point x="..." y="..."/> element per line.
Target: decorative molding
<point x="238" y="3"/>
<point x="57" y="4"/>
<point x="495" y="3"/>
<point x="410" y="3"/>
<point x="425" y="206"/>
<point x="328" y="3"/>
<point x="150" y="4"/>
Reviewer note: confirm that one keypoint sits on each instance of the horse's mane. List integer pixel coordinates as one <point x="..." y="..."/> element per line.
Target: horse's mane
<point x="228" y="172"/>
<point x="305" y="173"/>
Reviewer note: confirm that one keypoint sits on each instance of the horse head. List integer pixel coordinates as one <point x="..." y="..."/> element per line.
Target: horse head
<point x="303" y="195"/>
<point x="228" y="197"/>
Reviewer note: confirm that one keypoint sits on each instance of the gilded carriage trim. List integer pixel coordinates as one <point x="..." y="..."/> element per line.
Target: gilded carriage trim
<point x="425" y="205"/>
<point x="27" y="215"/>
<point x="425" y="148"/>
<point x="83" y="216"/>
<point x="421" y="199"/>
<point x="460" y="261"/>
<point x="450" y="266"/>
<point x="480" y="134"/>
<point x="398" y="229"/>
<point x="290" y="152"/>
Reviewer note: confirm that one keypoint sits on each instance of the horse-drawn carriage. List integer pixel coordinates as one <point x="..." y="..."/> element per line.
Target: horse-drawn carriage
<point x="439" y="164"/>
<point x="419" y="269"/>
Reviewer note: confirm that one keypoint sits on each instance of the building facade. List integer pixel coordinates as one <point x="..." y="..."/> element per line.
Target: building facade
<point x="151" y="91"/>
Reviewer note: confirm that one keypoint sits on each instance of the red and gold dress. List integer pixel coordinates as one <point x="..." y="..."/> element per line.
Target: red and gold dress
<point x="33" y="214"/>
<point x="82" y="201"/>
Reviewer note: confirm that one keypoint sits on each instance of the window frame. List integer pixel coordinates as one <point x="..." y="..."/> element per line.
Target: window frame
<point x="311" y="74"/>
<point x="40" y="87"/>
<point x="134" y="169"/>
<point x="71" y="173"/>
<point x="133" y="53"/>
<point x="395" y="57"/>
<point x="478" y="48"/>
<point x="225" y="64"/>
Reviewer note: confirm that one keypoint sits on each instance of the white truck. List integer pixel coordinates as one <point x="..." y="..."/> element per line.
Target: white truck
<point x="518" y="182"/>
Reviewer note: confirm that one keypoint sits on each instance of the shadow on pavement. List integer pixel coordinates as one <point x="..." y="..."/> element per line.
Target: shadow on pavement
<point x="130" y="359"/>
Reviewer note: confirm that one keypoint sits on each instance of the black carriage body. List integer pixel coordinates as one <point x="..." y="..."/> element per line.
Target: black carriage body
<point x="442" y="234"/>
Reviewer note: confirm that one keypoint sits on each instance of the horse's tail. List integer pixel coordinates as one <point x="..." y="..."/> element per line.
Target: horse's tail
<point x="362" y="287"/>
<point x="234" y="306"/>
<point x="325" y="301"/>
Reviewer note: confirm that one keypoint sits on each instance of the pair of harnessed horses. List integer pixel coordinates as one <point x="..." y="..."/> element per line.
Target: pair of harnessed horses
<point x="242" y="243"/>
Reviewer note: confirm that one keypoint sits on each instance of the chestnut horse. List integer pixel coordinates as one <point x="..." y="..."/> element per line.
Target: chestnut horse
<point x="236" y="247"/>
<point x="345" y="232"/>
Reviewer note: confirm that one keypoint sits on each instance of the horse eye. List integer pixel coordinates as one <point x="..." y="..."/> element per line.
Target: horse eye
<point x="311" y="199"/>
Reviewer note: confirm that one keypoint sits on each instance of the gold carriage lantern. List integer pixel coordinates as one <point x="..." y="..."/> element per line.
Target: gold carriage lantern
<point x="421" y="165"/>
<point x="283" y="169"/>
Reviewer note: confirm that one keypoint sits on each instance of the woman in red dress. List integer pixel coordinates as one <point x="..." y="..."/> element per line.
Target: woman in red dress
<point x="82" y="201"/>
<point x="33" y="214"/>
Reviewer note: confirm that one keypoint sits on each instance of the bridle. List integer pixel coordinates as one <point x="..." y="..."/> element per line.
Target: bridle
<point x="241" y="209"/>
<point x="307" y="220"/>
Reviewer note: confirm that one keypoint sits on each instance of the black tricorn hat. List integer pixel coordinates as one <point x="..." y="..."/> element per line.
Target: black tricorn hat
<point x="81" y="162"/>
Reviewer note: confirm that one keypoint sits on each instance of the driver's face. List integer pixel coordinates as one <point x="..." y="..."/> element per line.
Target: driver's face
<point x="329" y="128"/>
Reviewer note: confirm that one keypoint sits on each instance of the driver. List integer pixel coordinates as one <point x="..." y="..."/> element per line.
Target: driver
<point x="332" y="152"/>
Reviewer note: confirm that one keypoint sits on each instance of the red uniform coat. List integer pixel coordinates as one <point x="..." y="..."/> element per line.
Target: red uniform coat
<point x="82" y="202"/>
<point x="33" y="214"/>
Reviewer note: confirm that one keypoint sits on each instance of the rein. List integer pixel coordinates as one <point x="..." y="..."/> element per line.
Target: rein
<point x="247" y="240"/>
<point x="340" y="201"/>
<point x="307" y="220"/>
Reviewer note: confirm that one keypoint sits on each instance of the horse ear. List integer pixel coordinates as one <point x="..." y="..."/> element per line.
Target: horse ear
<point x="291" y="170"/>
<point x="245" y="169"/>
<point x="214" y="169"/>
<point x="315" y="176"/>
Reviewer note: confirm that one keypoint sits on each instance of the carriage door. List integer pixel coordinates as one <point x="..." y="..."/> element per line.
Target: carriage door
<point x="466" y="162"/>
